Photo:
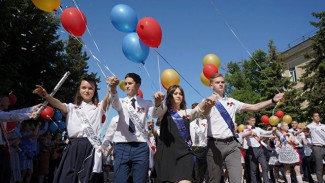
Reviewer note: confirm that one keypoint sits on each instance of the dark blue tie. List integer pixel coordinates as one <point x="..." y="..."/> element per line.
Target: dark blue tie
<point x="131" y="124"/>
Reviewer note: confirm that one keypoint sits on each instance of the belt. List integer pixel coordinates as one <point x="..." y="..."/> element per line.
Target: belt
<point x="229" y="139"/>
<point x="319" y="145"/>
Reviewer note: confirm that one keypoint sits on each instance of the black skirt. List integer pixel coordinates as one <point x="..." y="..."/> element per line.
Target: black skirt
<point x="77" y="163"/>
<point x="174" y="160"/>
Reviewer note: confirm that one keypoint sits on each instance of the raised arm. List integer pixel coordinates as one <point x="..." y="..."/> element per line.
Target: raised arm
<point x="106" y="102"/>
<point x="259" y="106"/>
<point x="40" y="91"/>
<point x="113" y="98"/>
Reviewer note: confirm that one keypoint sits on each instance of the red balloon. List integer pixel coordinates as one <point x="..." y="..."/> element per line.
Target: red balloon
<point x="209" y="70"/>
<point x="279" y="114"/>
<point x="74" y="21"/>
<point x="265" y="119"/>
<point x="149" y="32"/>
<point x="140" y="93"/>
<point x="164" y="86"/>
<point x="11" y="125"/>
<point x="12" y="99"/>
<point x="103" y="118"/>
<point x="47" y="113"/>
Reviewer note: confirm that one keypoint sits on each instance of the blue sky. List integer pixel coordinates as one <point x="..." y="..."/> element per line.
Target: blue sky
<point x="190" y="30"/>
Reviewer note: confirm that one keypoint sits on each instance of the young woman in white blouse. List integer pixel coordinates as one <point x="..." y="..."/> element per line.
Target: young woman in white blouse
<point x="81" y="160"/>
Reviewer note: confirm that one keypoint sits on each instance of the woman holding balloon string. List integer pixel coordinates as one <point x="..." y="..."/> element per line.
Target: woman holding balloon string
<point x="174" y="160"/>
<point x="81" y="160"/>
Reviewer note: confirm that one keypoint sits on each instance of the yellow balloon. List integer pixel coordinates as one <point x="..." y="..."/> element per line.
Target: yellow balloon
<point x="241" y="127"/>
<point x="47" y="5"/>
<point x="204" y="80"/>
<point x="287" y="118"/>
<point x="280" y="102"/>
<point x="169" y="77"/>
<point x="211" y="59"/>
<point x="122" y="85"/>
<point x="274" y="120"/>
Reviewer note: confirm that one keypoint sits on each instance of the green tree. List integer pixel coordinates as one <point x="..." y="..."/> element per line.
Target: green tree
<point x="314" y="75"/>
<point x="32" y="53"/>
<point x="259" y="79"/>
<point x="29" y="48"/>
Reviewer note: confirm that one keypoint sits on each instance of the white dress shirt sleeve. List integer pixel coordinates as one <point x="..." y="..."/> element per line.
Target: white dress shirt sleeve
<point x="115" y="101"/>
<point x="16" y="115"/>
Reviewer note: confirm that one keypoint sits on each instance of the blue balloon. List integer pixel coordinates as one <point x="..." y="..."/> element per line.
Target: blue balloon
<point x="57" y="116"/>
<point x="62" y="125"/>
<point x="124" y="18"/>
<point x="134" y="49"/>
<point x="53" y="127"/>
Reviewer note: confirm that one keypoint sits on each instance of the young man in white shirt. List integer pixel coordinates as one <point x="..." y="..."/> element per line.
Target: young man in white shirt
<point x="131" y="149"/>
<point x="198" y="132"/>
<point x="317" y="134"/>
<point x="255" y="150"/>
<point x="222" y="145"/>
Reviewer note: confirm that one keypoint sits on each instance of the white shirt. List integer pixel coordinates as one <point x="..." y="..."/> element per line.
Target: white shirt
<point x="109" y="136"/>
<point x="217" y="126"/>
<point x="254" y="141"/>
<point x="16" y="115"/>
<point x="199" y="130"/>
<point x="143" y="108"/>
<point x="317" y="133"/>
<point x="299" y="137"/>
<point x="93" y="113"/>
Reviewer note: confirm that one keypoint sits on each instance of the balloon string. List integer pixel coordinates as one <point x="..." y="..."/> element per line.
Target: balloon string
<point x="274" y="109"/>
<point x="240" y="42"/>
<point x="109" y="70"/>
<point x="86" y="26"/>
<point x="159" y="82"/>
<point x="54" y="123"/>
<point x="152" y="83"/>
<point x="179" y="73"/>
<point x="98" y="61"/>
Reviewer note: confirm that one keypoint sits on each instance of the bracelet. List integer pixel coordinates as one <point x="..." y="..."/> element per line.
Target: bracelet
<point x="273" y="101"/>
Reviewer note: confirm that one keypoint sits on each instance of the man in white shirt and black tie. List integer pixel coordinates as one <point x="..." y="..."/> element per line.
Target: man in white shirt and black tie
<point x="198" y="132"/>
<point x="131" y="149"/>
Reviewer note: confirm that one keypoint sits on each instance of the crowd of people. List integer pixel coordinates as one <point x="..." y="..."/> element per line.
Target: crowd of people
<point x="200" y="144"/>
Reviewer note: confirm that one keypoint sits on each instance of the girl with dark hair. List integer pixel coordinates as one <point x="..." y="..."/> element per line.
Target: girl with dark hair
<point x="174" y="160"/>
<point x="81" y="160"/>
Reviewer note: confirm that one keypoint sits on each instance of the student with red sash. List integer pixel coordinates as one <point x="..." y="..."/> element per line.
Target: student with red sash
<point x="288" y="153"/>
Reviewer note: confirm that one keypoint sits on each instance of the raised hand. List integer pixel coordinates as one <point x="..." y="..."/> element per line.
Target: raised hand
<point x="40" y="91"/>
<point x="112" y="81"/>
<point x="159" y="98"/>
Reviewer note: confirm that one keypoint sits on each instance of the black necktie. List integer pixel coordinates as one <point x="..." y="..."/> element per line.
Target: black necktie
<point x="131" y="124"/>
<point x="196" y="140"/>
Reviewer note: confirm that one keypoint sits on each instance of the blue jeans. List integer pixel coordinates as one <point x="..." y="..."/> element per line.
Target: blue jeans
<point x="131" y="159"/>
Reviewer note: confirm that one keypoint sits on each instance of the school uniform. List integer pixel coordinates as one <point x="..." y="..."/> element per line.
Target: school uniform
<point x="81" y="161"/>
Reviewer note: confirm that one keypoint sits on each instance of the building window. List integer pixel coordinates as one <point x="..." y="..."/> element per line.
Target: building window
<point x="293" y="74"/>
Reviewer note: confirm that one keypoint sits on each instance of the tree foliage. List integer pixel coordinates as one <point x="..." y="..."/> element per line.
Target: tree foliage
<point x="314" y="76"/>
<point x="259" y="79"/>
<point x="32" y="53"/>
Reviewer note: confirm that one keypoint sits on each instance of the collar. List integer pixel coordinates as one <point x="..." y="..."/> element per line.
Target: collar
<point x="319" y="123"/>
<point x="223" y="98"/>
<point x="84" y="104"/>
<point x="128" y="98"/>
